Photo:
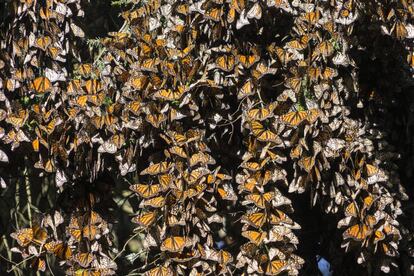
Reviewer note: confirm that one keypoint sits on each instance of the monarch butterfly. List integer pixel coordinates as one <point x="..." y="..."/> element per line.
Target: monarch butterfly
<point x="370" y="221"/>
<point x="280" y="217"/>
<point x="368" y="200"/>
<point x="314" y="73"/>
<point x="202" y="158"/>
<point x="92" y="217"/>
<point x="176" y="150"/>
<point x="371" y="170"/>
<point x="50" y="127"/>
<point x="85" y="69"/>
<point x="307" y="163"/>
<point x="255" y="237"/>
<point x="295" y="84"/>
<point x="260" y="200"/>
<point x="225" y="62"/>
<point x="173" y="244"/>
<point x="283" y="56"/>
<point x="255" y="11"/>
<point x="41" y="85"/>
<point x="294" y="118"/>
<point x="36" y="145"/>
<point x="254" y="166"/>
<point x="226" y="192"/>
<point x="146" y="190"/>
<point x="358" y="232"/>
<point x="249" y="184"/>
<point x="275" y="267"/>
<point x="246" y="90"/>
<point x="261" y="70"/>
<point x="160" y="271"/>
<point x="26" y="236"/>
<point x="93" y="86"/>
<point x="83" y="259"/>
<point x="157" y="168"/>
<point x="89" y="232"/>
<point x="18" y="120"/>
<point x="248" y="60"/>
<point x="193" y="176"/>
<point x="150" y="65"/>
<point x="298" y="44"/>
<point x="280" y="233"/>
<point x="257" y="220"/>
<point x="260" y="114"/>
<point x="410" y="60"/>
<point x="165" y="181"/>
<point x="74" y="86"/>
<point x="130" y="16"/>
<point x="171" y="95"/>
<point x="155" y="119"/>
<point x="194" y="190"/>
<point x="43" y="42"/>
<point x="214" y="14"/>
<point x="238" y="5"/>
<point x="329" y="73"/>
<point x="235" y="6"/>
<point x="262" y="134"/>
<point x="59" y="249"/>
<point x="138" y="83"/>
<point x="325" y="48"/>
<point x="135" y="107"/>
<point x="249" y="249"/>
<point x="223" y="257"/>
<point x="145" y="219"/>
<point x="296" y="152"/>
<point x="194" y="135"/>
<point x="378" y="236"/>
<point x="175" y="138"/>
<point x="156" y="202"/>
<point x="96" y="99"/>
<point x="312" y="17"/>
<point x="351" y="210"/>
<point x="38" y="264"/>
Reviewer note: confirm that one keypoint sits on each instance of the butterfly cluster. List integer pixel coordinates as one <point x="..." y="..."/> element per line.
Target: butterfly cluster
<point x="213" y="106"/>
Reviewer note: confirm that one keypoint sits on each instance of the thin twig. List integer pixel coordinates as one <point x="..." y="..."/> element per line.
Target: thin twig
<point x="125" y="245"/>
<point x="29" y="197"/>
<point x="19" y="263"/>
<point x="48" y="265"/>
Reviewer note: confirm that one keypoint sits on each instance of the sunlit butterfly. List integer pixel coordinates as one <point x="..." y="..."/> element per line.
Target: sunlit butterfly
<point x="256" y="220"/>
<point x="156" y="202"/>
<point x="157" y="168"/>
<point x="146" y="190"/>
<point x="294" y="118"/>
<point x="225" y="62"/>
<point x="41" y="85"/>
<point x="145" y="219"/>
<point x="260" y="114"/>
<point x="358" y="232"/>
<point x="246" y="90"/>
<point x="260" y="200"/>
<point x="262" y="134"/>
<point x="59" y="249"/>
<point x="255" y="237"/>
<point x="173" y="244"/>
<point x="25" y="236"/>
<point x="83" y="259"/>
<point x="160" y="271"/>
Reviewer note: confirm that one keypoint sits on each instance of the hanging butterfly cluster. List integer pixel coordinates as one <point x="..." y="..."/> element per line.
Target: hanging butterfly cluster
<point x="80" y="239"/>
<point x="277" y="78"/>
<point x="179" y="207"/>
